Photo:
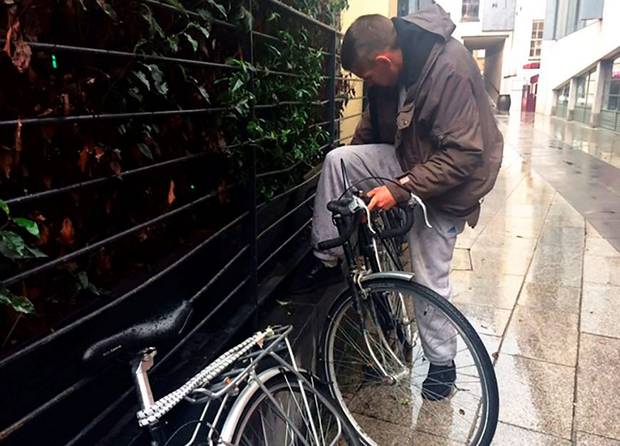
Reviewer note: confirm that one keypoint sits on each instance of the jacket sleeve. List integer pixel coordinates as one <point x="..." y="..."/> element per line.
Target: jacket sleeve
<point x="363" y="132"/>
<point x="457" y="135"/>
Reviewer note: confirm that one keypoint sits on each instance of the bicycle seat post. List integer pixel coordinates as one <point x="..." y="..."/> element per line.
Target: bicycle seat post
<point x="139" y="368"/>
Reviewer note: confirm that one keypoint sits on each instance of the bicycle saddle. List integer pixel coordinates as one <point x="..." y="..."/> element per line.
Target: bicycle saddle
<point x="138" y="337"/>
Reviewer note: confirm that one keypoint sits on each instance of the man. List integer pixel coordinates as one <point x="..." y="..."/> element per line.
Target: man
<point x="430" y="127"/>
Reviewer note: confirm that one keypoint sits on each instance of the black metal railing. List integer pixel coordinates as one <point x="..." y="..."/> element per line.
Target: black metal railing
<point x="243" y="271"/>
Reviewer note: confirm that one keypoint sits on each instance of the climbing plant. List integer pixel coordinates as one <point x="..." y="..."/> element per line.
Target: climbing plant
<point x="16" y="244"/>
<point x="180" y="34"/>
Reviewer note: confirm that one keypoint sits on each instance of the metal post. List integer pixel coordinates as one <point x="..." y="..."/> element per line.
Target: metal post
<point x="253" y="234"/>
<point x="331" y="87"/>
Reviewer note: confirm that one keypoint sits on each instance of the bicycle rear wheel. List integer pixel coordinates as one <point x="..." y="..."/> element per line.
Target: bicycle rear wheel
<point x="380" y="387"/>
<point x="288" y="411"/>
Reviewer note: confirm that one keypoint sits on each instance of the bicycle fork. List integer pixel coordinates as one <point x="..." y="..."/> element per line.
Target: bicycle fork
<point x="353" y="275"/>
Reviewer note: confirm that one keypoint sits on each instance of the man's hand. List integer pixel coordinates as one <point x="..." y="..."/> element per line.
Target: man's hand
<point x="381" y="198"/>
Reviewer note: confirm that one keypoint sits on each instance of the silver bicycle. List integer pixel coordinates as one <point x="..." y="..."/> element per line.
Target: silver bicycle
<point x="253" y="394"/>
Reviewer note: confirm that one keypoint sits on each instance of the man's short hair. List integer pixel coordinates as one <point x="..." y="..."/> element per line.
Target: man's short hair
<point x="367" y="36"/>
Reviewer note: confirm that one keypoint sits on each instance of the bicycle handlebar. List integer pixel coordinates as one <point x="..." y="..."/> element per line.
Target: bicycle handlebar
<point x="404" y="228"/>
<point x="348" y="207"/>
<point x="346" y="234"/>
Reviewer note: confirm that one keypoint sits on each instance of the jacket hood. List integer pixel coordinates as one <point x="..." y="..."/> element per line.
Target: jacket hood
<point x="434" y="20"/>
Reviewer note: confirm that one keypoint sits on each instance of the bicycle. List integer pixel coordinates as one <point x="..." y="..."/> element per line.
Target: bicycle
<point x="372" y="354"/>
<point x="254" y="394"/>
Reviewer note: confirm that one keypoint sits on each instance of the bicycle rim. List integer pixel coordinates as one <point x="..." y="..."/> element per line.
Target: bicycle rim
<point x="292" y="413"/>
<point x="379" y="406"/>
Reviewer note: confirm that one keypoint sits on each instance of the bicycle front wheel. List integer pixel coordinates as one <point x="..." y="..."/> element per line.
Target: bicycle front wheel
<point x="381" y="388"/>
<point x="289" y="411"/>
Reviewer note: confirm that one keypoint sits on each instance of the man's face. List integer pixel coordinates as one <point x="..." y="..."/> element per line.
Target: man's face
<point x="384" y="70"/>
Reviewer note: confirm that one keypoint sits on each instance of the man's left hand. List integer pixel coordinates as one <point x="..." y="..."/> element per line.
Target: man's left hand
<point x="381" y="198"/>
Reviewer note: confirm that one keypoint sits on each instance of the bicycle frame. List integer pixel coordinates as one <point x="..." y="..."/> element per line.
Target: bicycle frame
<point x="226" y="388"/>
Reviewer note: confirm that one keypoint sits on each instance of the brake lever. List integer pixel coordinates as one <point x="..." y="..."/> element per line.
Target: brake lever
<point x="358" y="203"/>
<point x="417" y="200"/>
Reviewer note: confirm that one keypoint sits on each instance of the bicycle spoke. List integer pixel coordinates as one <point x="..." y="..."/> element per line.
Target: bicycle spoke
<point x="369" y="394"/>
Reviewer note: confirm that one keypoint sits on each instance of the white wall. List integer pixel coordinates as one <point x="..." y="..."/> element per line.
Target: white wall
<point x="516" y="46"/>
<point x="517" y="50"/>
<point x="564" y="58"/>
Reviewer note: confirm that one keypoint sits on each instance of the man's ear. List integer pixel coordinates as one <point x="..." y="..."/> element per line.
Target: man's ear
<point x="383" y="59"/>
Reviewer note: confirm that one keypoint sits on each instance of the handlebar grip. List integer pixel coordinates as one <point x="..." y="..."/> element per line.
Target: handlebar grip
<point x="331" y="243"/>
<point x="340" y="206"/>
<point x="404" y="228"/>
<point x="348" y="227"/>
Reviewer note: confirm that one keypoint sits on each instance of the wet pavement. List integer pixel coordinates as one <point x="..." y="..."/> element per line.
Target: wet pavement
<point x="539" y="278"/>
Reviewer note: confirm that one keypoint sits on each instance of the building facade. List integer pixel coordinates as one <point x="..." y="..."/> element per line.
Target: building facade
<point x="505" y="38"/>
<point x="580" y="75"/>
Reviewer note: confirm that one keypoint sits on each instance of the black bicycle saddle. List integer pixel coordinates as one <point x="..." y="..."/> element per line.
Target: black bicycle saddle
<point x="141" y="336"/>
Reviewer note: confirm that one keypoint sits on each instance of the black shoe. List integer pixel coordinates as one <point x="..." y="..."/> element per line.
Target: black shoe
<point x="318" y="275"/>
<point x="439" y="382"/>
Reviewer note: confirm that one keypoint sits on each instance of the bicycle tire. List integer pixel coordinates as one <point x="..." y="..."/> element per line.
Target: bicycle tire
<point x="316" y="392"/>
<point x="403" y="282"/>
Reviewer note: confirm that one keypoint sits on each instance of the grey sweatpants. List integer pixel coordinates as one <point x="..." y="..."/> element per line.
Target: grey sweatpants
<point x="431" y="249"/>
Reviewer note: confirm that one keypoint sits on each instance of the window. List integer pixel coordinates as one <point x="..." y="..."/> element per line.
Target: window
<point x="586" y="89"/>
<point x="613" y="87"/>
<point x="572" y="15"/>
<point x="563" y="95"/>
<point x="561" y="104"/>
<point x="537" y="37"/>
<point x="582" y="82"/>
<point x="470" y="10"/>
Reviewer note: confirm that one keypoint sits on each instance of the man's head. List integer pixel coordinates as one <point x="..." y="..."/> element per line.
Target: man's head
<point x="370" y="50"/>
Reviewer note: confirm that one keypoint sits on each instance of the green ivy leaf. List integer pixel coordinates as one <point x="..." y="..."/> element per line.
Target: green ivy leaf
<point x="244" y="18"/>
<point x="146" y="150"/>
<point x="173" y="43"/>
<point x="20" y="304"/>
<point x="236" y="86"/>
<point x="13" y="246"/>
<point x="83" y="279"/>
<point x="28" y="225"/>
<point x="201" y="29"/>
<point x="5" y="207"/>
<point x="273" y="16"/>
<point x="220" y="8"/>
<point x="83" y="283"/>
<point x="176" y="4"/>
<point x="205" y="15"/>
<point x="193" y="42"/>
<point x="107" y="8"/>
<point x="154" y="27"/>
<point x="158" y="79"/>
<point x="134" y="92"/>
<point x="143" y="79"/>
<point x="203" y="93"/>
<point x="36" y="252"/>
<point x="138" y="46"/>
